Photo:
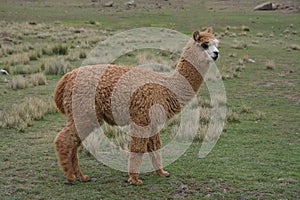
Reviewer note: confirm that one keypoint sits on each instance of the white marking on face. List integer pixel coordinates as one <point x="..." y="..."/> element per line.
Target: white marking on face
<point x="213" y="50"/>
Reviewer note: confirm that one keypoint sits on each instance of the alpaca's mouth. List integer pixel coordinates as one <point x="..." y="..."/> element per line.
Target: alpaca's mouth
<point x="215" y="57"/>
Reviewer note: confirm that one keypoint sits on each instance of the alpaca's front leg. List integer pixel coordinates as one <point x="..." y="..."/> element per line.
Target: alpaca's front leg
<point x="153" y="148"/>
<point x="156" y="160"/>
<point x="134" y="165"/>
<point x="138" y="147"/>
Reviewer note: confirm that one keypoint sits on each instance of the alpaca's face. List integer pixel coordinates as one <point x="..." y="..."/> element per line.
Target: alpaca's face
<point x="208" y="42"/>
<point x="211" y="47"/>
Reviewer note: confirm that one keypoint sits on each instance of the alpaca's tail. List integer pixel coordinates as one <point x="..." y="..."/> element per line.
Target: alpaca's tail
<point x="64" y="89"/>
<point x="59" y="94"/>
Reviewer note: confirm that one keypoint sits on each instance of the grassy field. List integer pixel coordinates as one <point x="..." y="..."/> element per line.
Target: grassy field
<point x="257" y="155"/>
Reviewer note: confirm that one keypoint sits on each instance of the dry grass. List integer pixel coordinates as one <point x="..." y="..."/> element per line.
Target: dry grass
<point x="232" y="116"/>
<point x="260" y="116"/>
<point x="60" y="49"/>
<point x="15" y="59"/>
<point x="245" y="109"/>
<point x="260" y="34"/>
<point x="35" y="55"/>
<point x="55" y="66"/>
<point x="25" y="69"/>
<point x="293" y="47"/>
<point x="270" y="65"/>
<point x="239" y="44"/>
<point x="38" y="79"/>
<point x="22" y="115"/>
<point x="157" y="61"/>
<point x="19" y="82"/>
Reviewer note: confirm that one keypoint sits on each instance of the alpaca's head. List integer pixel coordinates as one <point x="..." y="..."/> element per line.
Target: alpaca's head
<point x="208" y="42"/>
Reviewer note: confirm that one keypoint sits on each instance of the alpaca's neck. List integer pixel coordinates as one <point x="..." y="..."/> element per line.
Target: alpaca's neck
<point x="193" y="64"/>
<point x="190" y="73"/>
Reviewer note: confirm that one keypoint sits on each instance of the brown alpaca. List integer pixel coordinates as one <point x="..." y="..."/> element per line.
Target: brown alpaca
<point x="191" y="68"/>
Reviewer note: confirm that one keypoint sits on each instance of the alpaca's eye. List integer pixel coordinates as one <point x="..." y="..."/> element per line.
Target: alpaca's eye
<point x="205" y="46"/>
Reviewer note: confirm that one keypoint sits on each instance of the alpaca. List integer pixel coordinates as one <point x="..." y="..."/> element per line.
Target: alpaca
<point x="149" y="104"/>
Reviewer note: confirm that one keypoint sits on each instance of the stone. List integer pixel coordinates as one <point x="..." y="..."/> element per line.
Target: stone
<point x="109" y="4"/>
<point x="266" y="6"/>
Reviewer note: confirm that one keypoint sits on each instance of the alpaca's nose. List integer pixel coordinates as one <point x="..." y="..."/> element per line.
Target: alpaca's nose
<point x="216" y="55"/>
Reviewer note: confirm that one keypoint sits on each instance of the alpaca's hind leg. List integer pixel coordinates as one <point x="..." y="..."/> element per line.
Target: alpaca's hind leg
<point x="138" y="147"/>
<point x="76" y="168"/>
<point x="153" y="148"/>
<point x="66" y="144"/>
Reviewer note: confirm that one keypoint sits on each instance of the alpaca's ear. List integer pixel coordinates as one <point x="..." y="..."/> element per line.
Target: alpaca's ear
<point x="196" y="36"/>
<point x="209" y="30"/>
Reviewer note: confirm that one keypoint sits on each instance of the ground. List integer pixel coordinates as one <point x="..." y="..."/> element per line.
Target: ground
<point x="257" y="156"/>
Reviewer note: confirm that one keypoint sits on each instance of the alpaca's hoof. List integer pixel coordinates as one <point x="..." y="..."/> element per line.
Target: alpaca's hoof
<point x="70" y="182"/>
<point x="163" y="173"/>
<point x="85" y="179"/>
<point x="135" y="181"/>
<point x="92" y="180"/>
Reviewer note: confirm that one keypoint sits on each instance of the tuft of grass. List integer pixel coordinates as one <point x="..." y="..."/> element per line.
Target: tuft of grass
<point x="245" y="109"/>
<point x="34" y="55"/>
<point x="293" y="47"/>
<point x="93" y="22"/>
<point x="60" y="49"/>
<point x="47" y="50"/>
<point x="270" y="65"/>
<point x="117" y="136"/>
<point x="239" y="44"/>
<point x="260" y="116"/>
<point x="245" y="28"/>
<point x="82" y="55"/>
<point x="38" y="79"/>
<point x="22" y="115"/>
<point x="25" y="69"/>
<point x="20" y="58"/>
<point x="54" y="66"/>
<point x="232" y="116"/>
<point x="19" y="82"/>
<point x="260" y="34"/>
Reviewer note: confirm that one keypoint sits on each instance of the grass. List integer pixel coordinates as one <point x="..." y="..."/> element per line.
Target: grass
<point x="19" y="82"/>
<point x="257" y="155"/>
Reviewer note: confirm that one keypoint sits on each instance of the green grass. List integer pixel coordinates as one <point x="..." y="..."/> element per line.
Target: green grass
<point x="257" y="156"/>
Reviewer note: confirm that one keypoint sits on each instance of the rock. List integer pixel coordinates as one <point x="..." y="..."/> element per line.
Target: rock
<point x="4" y="72"/>
<point x="109" y="4"/>
<point x="130" y="3"/>
<point x="266" y="6"/>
